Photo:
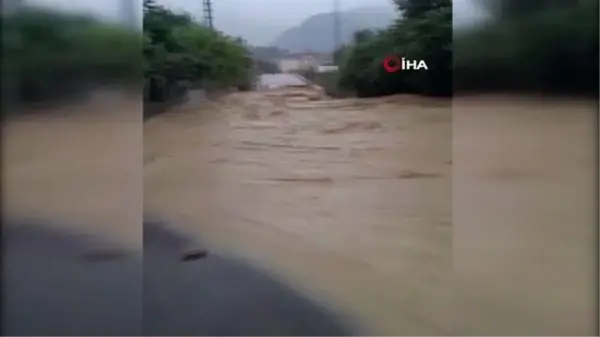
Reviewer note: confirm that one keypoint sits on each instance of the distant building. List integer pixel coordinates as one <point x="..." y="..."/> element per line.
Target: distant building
<point x="302" y="62"/>
<point x="327" y="69"/>
<point x="289" y="65"/>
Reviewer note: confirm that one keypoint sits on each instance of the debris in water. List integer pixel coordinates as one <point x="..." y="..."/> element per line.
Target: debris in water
<point x="194" y="255"/>
<point x="416" y="175"/>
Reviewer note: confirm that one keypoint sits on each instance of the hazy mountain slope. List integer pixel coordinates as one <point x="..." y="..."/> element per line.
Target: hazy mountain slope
<point x="255" y="33"/>
<point x="317" y="32"/>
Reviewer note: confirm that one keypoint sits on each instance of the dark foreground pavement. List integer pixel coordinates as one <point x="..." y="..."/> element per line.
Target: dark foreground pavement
<point x="58" y="283"/>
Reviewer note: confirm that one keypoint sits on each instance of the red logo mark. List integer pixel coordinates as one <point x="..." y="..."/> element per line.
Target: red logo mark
<point x="392" y="64"/>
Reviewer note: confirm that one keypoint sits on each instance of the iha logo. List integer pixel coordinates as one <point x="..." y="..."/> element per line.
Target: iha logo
<point x="394" y="64"/>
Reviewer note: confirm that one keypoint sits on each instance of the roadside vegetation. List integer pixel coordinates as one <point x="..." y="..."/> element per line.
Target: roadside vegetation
<point x="422" y="32"/>
<point x="550" y="46"/>
<point x="180" y="54"/>
<point x="534" y="46"/>
<point x="53" y="56"/>
<point x="49" y="56"/>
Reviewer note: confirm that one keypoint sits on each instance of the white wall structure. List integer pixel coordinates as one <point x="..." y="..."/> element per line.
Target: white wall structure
<point x="289" y="65"/>
<point x="293" y="64"/>
<point x="327" y="69"/>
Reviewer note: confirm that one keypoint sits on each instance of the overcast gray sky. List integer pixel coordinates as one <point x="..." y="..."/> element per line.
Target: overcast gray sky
<point x="257" y="20"/>
<point x="288" y="12"/>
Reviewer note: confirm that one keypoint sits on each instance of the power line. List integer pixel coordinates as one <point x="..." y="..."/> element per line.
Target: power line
<point x="208" y="13"/>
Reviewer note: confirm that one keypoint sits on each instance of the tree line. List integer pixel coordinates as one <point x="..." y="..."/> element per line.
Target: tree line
<point x="49" y="55"/>
<point x="534" y="46"/>
<point x="422" y="31"/>
<point x="180" y="53"/>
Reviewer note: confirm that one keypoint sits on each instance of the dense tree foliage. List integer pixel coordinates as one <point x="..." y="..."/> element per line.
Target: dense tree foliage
<point x="510" y="9"/>
<point x="538" y="46"/>
<point x="422" y="32"/>
<point x="49" y="55"/>
<point x="180" y="53"/>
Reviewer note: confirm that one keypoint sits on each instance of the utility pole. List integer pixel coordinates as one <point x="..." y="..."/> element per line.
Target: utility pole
<point x="336" y="30"/>
<point x="208" y="13"/>
<point x="129" y="14"/>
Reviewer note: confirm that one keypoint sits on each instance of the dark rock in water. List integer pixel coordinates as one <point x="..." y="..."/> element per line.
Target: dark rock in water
<point x="194" y="255"/>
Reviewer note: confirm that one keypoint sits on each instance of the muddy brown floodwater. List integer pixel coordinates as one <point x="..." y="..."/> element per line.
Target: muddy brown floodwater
<point x="347" y="200"/>
<point x="524" y="216"/>
<point x="78" y="165"/>
<point x="415" y="218"/>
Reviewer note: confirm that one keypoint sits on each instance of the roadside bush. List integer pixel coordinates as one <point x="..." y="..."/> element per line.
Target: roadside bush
<point x="50" y="55"/>
<point x="422" y="32"/>
<point x="177" y="50"/>
<point x="543" y="46"/>
<point x="535" y="46"/>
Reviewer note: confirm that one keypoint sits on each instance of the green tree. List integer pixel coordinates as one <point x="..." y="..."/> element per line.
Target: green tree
<point x="510" y="9"/>
<point x="180" y="53"/>
<point x="419" y="8"/>
<point x="50" y="55"/>
<point x="422" y="31"/>
<point x="543" y="47"/>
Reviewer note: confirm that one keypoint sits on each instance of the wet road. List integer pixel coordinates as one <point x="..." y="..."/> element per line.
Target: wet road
<point x="51" y="287"/>
<point x="60" y="283"/>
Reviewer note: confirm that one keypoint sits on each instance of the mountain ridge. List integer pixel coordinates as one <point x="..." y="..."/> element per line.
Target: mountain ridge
<point x="316" y="33"/>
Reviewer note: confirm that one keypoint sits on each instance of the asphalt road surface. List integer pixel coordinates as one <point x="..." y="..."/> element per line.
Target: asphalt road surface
<point x="60" y="283"/>
<point x="51" y="288"/>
